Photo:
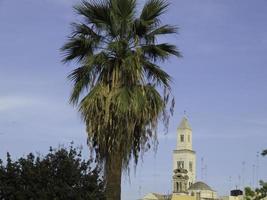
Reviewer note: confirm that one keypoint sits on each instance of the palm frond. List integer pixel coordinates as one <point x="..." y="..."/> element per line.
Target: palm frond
<point x="155" y="74"/>
<point x="166" y="29"/>
<point x="160" y="51"/>
<point x="78" y="47"/>
<point x="86" y="76"/>
<point x="82" y="78"/>
<point x="84" y="30"/>
<point x="149" y="19"/>
<point x="163" y="30"/>
<point x="122" y="14"/>
<point x="95" y="12"/>
<point x="152" y="10"/>
<point x="124" y="9"/>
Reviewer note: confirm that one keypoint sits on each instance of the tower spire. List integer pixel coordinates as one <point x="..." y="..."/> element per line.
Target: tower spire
<point x="184" y="124"/>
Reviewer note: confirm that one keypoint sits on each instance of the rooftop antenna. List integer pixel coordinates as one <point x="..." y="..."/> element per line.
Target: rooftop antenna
<point x="253" y="176"/>
<point x="206" y="172"/>
<point x="257" y="169"/>
<point x="243" y="174"/>
<point x="139" y="190"/>
<point x="155" y="175"/>
<point x="230" y="182"/>
<point x="239" y="181"/>
<point x="140" y="184"/>
<point x="171" y="187"/>
<point x="202" y="168"/>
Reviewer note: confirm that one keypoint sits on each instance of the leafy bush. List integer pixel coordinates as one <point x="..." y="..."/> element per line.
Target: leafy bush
<point x="60" y="175"/>
<point x="258" y="193"/>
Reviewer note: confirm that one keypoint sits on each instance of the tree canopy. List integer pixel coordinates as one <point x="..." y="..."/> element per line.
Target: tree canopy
<point x="61" y="174"/>
<point x="258" y="193"/>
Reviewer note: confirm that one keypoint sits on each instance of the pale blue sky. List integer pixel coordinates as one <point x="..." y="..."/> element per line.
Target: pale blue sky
<point x="221" y="81"/>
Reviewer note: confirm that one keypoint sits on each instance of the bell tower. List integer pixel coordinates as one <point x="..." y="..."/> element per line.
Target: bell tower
<point x="184" y="157"/>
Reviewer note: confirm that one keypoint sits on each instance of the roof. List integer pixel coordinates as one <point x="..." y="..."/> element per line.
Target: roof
<point x="200" y="186"/>
<point x="155" y="196"/>
<point x="151" y="196"/>
<point x="159" y="196"/>
<point x="184" y="124"/>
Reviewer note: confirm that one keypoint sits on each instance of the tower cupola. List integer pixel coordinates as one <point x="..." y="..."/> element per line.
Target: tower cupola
<point x="184" y="137"/>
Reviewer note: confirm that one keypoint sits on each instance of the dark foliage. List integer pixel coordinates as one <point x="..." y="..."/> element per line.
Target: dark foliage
<point x="264" y="152"/>
<point x="60" y="175"/>
<point x="258" y="193"/>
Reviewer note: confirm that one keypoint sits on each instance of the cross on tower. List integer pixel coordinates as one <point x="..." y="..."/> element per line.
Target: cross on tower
<point x="185" y="114"/>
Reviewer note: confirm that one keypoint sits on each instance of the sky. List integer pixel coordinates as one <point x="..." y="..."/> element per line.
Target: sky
<point x="221" y="82"/>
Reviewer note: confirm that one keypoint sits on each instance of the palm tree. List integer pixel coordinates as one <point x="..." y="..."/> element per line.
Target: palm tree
<point x="121" y="91"/>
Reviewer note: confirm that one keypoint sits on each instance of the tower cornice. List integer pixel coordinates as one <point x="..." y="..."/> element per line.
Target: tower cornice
<point x="184" y="151"/>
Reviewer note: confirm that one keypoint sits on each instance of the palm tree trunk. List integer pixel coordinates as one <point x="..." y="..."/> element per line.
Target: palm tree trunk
<point x="113" y="170"/>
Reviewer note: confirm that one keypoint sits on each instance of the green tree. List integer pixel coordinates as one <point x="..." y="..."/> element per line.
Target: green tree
<point x="118" y="85"/>
<point x="258" y="193"/>
<point x="60" y="175"/>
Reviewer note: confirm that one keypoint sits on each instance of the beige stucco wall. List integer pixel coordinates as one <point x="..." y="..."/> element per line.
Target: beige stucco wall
<point x="204" y="194"/>
<point x="182" y="197"/>
<point x="231" y="197"/>
<point x="187" y="144"/>
<point x="186" y="156"/>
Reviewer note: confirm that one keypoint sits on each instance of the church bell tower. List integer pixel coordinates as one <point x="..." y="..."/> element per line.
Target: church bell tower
<point x="184" y="159"/>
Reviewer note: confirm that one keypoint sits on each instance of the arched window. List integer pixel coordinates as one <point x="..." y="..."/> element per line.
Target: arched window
<point x="190" y="166"/>
<point x="182" y="138"/>
<point x="180" y="164"/>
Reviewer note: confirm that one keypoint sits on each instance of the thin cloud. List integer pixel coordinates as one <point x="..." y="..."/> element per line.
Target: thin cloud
<point x="15" y="102"/>
<point x="257" y="122"/>
<point x="64" y="2"/>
